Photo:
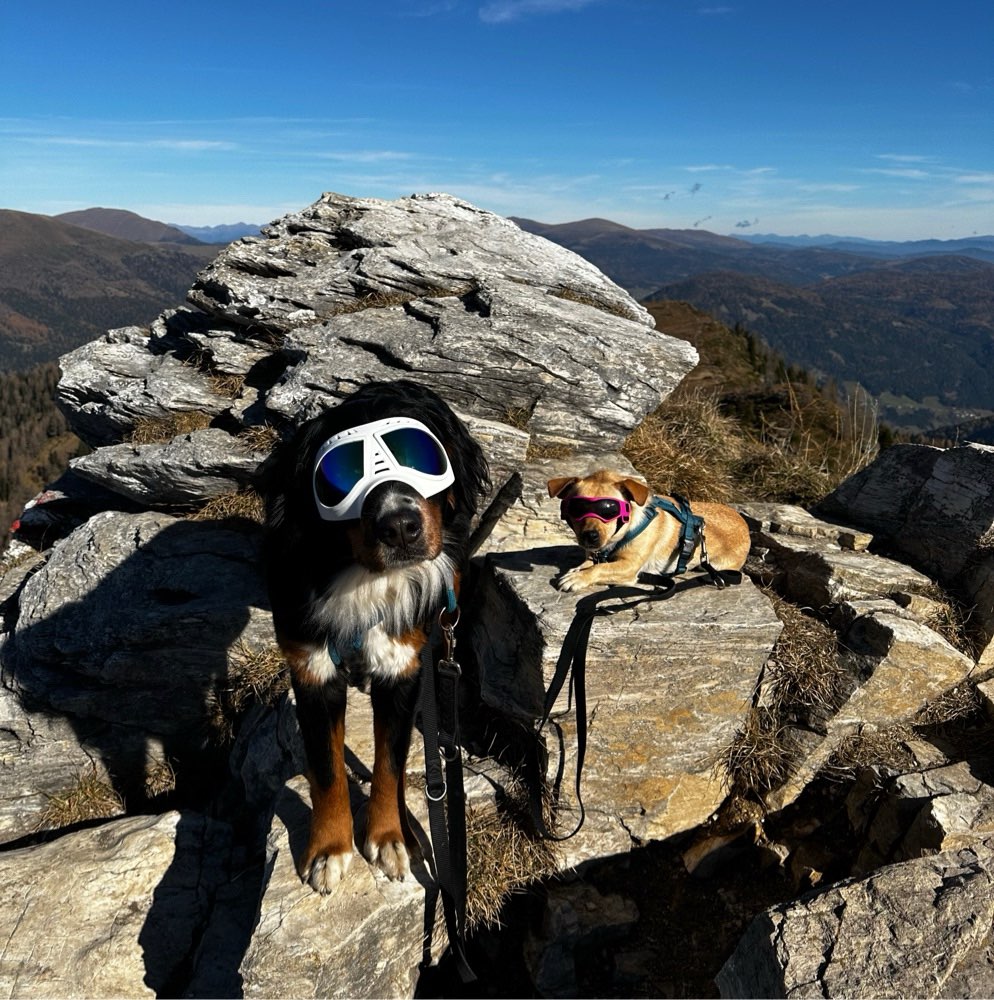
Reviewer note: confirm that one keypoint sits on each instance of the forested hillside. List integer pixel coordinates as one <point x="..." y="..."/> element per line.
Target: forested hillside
<point x="35" y="441"/>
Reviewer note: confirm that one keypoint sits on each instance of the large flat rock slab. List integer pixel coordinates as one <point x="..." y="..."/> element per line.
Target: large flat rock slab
<point x="668" y="684"/>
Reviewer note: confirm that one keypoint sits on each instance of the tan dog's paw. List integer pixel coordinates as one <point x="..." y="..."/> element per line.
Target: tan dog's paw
<point x="390" y="856"/>
<point x="574" y="579"/>
<point x="326" y="871"/>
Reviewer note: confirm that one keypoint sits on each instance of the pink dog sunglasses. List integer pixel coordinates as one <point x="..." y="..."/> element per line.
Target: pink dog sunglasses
<point x="603" y="508"/>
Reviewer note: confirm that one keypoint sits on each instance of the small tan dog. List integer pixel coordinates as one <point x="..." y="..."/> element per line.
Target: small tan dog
<point x="626" y="531"/>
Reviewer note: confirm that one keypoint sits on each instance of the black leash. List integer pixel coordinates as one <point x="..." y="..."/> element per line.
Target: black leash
<point x="444" y="788"/>
<point x="446" y="796"/>
<point x="572" y="666"/>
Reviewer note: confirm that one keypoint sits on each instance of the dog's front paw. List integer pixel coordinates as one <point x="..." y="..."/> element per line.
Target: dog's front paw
<point x="326" y="871"/>
<point x="390" y="856"/>
<point x="573" y="580"/>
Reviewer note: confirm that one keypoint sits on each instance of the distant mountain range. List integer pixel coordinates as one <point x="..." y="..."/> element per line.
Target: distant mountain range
<point x="980" y="247"/>
<point x="62" y="285"/>
<point x="220" y="234"/>
<point x="127" y="226"/>
<point x="911" y="322"/>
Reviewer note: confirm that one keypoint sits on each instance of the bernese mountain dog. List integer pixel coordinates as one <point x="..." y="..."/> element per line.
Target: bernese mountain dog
<point x="368" y="515"/>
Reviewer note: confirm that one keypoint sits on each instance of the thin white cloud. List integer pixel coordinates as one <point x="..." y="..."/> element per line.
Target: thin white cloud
<point x="503" y="11"/>
<point x="909" y="173"/>
<point x="366" y="156"/>
<point x="180" y="145"/>
<point x="704" y="167"/>
<point x="903" y="158"/>
<point x="707" y="11"/>
<point x="975" y="179"/>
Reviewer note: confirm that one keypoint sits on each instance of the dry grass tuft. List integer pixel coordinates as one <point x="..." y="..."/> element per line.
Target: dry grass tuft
<point x="517" y="417"/>
<point x="689" y="447"/>
<point x="262" y="437"/>
<point x="538" y="451"/>
<point x="959" y="702"/>
<point x="805" y="672"/>
<point x="871" y="748"/>
<point x="160" y="779"/>
<point x="571" y="295"/>
<point x="760" y="756"/>
<point x="804" y="679"/>
<point x="501" y="858"/>
<point x="795" y="453"/>
<point x="229" y="386"/>
<point x="90" y="798"/>
<point x="949" y="619"/>
<point x="254" y="675"/>
<point x="159" y="430"/>
<point x="245" y="504"/>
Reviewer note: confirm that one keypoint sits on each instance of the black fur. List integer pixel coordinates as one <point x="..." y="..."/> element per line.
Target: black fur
<point x="303" y="556"/>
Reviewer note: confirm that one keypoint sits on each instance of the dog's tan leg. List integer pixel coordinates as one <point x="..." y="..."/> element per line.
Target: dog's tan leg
<point x="321" y="700"/>
<point x="329" y="846"/>
<point x="592" y="574"/>
<point x="388" y="833"/>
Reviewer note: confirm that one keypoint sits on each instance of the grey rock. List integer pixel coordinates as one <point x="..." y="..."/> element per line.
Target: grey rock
<point x="789" y="519"/>
<point x="668" y="684"/>
<point x="577" y="920"/>
<point x="816" y="572"/>
<point x="187" y="470"/>
<point x="364" y="939"/>
<point x="132" y="621"/>
<point x="905" y="665"/>
<point x="903" y="816"/>
<point x="110" y="384"/>
<point x="41" y="758"/>
<point x="313" y="264"/>
<point x="935" y="509"/>
<point x="518" y="350"/>
<point x="920" y="928"/>
<point x="133" y="895"/>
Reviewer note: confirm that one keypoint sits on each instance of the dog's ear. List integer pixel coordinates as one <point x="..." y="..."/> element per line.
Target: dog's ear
<point x="639" y="492"/>
<point x="559" y="486"/>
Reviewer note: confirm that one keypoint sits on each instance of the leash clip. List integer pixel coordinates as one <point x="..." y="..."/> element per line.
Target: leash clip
<point x="447" y="621"/>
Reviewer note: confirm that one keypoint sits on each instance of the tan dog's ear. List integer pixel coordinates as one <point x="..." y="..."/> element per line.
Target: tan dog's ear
<point x="558" y="486"/>
<point x="639" y="492"/>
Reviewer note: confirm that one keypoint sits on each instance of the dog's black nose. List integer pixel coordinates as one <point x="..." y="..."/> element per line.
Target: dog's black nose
<point x="589" y="538"/>
<point x="399" y="528"/>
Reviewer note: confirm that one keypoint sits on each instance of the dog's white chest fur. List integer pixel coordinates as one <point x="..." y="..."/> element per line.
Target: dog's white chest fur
<point x="367" y="617"/>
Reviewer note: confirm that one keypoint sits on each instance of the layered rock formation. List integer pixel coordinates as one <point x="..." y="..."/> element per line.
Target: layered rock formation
<point x="133" y="631"/>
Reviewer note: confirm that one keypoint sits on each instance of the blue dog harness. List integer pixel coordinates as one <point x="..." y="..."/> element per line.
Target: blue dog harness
<point x="691" y="535"/>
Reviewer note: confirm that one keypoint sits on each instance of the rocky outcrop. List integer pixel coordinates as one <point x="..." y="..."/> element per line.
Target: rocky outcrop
<point x="942" y="522"/>
<point x="917" y="929"/>
<point x="130" y="631"/>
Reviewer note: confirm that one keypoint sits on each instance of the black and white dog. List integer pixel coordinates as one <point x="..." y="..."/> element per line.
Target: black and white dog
<point x="368" y="513"/>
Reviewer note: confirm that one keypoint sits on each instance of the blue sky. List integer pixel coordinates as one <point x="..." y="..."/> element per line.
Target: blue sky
<point x="870" y="119"/>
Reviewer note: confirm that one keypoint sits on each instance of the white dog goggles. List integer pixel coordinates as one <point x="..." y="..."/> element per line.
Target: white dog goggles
<point x="351" y="463"/>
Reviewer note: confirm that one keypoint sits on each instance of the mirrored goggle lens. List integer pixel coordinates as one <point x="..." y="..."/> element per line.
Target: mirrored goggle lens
<point x="338" y="472"/>
<point x="606" y="508"/>
<point x="416" y="450"/>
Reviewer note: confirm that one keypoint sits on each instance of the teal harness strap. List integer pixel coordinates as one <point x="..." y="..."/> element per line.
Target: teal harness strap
<point x="691" y="530"/>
